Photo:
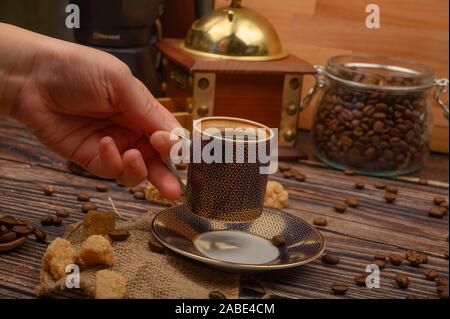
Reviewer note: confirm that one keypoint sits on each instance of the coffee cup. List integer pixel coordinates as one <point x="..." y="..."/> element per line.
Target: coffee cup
<point x="229" y="160"/>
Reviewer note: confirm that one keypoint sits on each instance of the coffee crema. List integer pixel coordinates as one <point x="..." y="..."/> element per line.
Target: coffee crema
<point x="234" y="128"/>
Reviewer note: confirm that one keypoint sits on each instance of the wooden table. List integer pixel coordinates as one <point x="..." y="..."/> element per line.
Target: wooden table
<point x="356" y="236"/>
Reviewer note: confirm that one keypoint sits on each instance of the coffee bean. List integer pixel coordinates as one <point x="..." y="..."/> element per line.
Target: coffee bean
<point x="380" y="263"/>
<point x="349" y="171"/>
<point x="330" y="259"/>
<point x="378" y="127"/>
<point x="390" y="197"/>
<point x="10" y="221"/>
<point x="396" y="259"/>
<point x="136" y="189"/>
<point x="47" y="220"/>
<point x="380" y="185"/>
<point x="57" y="221"/>
<point x="415" y="258"/>
<point x="352" y="201"/>
<point x="392" y="189"/>
<point x="359" y="184"/>
<point x="339" y="288"/>
<point x="288" y="174"/>
<point x="423" y="181"/>
<point x="118" y="235"/>
<point x="216" y="295"/>
<point x="8" y="237"/>
<point x="86" y="207"/>
<point x="11" y="245"/>
<point x="431" y="274"/>
<point x="139" y="195"/>
<point x="380" y="257"/>
<point x="437" y="212"/>
<point x="339" y="207"/>
<point x="83" y="197"/>
<point x="40" y="234"/>
<point x="360" y="280"/>
<point x="156" y="247"/>
<point x="48" y="190"/>
<point x="402" y="281"/>
<point x="442" y="282"/>
<point x="320" y="221"/>
<point x="102" y="188"/>
<point x="441" y="288"/>
<point x="424" y="258"/>
<point x="284" y="167"/>
<point x="299" y="177"/>
<point x="444" y="293"/>
<point x="438" y="200"/>
<point x="22" y="230"/>
<point x="278" y="240"/>
<point x="3" y="229"/>
<point x="62" y="212"/>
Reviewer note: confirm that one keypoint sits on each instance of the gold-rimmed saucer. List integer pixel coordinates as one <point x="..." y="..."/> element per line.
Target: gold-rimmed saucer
<point x="239" y="247"/>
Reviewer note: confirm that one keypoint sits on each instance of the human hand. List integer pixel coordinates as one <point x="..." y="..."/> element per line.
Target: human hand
<point x="85" y="105"/>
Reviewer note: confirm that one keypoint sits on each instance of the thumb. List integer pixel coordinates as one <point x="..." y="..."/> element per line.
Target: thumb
<point x="137" y="103"/>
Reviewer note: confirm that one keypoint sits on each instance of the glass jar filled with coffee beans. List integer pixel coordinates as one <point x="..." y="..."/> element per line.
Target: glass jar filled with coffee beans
<point x="374" y="113"/>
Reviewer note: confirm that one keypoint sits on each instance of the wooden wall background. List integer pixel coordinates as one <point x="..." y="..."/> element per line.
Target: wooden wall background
<point x="318" y="29"/>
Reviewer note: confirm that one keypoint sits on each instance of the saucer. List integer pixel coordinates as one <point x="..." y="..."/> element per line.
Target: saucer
<point x="239" y="247"/>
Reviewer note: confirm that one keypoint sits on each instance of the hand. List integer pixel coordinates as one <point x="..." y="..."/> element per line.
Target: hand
<point x="85" y="105"/>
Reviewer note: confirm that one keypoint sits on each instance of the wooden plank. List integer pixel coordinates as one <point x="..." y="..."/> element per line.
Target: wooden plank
<point x="375" y="227"/>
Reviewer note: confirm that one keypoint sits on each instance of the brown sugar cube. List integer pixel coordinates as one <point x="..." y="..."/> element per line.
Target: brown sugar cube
<point x="96" y="250"/>
<point x="276" y="196"/>
<point x="98" y="223"/>
<point x="109" y="285"/>
<point x="152" y="194"/>
<point x="58" y="255"/>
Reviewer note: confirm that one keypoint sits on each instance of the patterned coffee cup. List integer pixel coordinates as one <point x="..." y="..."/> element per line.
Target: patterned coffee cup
<point x="228" y="186"/>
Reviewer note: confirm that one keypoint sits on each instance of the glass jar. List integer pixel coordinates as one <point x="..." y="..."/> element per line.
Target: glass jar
<point x="374" y="113"/>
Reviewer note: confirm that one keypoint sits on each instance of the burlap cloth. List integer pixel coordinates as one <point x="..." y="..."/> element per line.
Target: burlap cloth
<point x="148" y="274"/>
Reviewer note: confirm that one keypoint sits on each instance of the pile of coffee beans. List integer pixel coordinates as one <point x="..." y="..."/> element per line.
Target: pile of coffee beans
<point x="371" y="130"/>
<point x="14" y="232"/>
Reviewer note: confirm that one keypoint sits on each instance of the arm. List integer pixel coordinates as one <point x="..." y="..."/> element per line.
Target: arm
<point x="18" y="51"/>
<point x="86" y="105"/>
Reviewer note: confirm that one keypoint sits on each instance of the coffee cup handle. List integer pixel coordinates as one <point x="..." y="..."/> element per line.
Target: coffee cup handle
<point x="171" y="167"/>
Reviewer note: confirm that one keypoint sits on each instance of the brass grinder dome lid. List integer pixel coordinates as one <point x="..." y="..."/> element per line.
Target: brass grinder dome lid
<point x="234" y="33"/>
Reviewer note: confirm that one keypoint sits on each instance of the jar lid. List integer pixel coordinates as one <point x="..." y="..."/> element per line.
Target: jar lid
<point x="380" y="72"/>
